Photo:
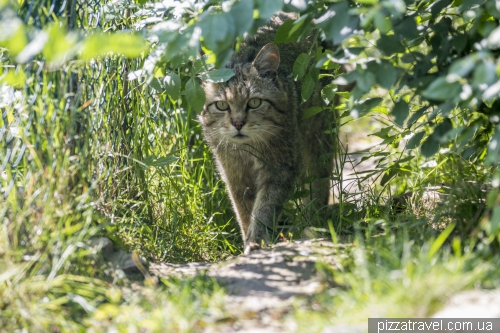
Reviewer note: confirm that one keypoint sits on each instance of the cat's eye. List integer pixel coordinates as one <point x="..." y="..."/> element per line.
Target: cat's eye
<point x="254" y="103"/>
<point x="221" y="105"/>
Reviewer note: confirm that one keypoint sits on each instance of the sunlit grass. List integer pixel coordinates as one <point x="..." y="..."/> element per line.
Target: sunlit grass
<point x="391" y="279"/>
<point x="84" y="153"/>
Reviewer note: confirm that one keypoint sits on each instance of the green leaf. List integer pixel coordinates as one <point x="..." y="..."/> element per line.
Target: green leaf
<point x="300" y="65"/>
<point x="308" y="86"/>
<point x="430" y="146"/>
<point x="452" y="134"/>
<point x="195" y="95"/>
<point x="444" y="109"/>
<point x="391" y="140"/>
<point x="438" y="243"/>
<point x="493" y="152"/>
<point x="444" y="127"/>
<point x="486" y="28"/>
<point x="441" y="90"/>
<point x="420" y="82"/>
<point x="493" y="225"/>
<point x="469" y="133"/>
<point x="494" y="39"/>
<point x="406" y="159"/>
<point x="309" y="83"/>
<point x="290" y="31"/>
<point x="218" y="75"/>
<point x="300" y="26"/>
<point x="283" y="31"/>
<point x="268" y="8"/>
<point x="386" y="75"/>
<point x="312" y="111"/>
<point x="416" y="115"/>
<point x="400" y="112"/>
<point x="493" y="8"/>
<point x="337" y="23"/>
<point x="395" y="7"/>
<point x="388" y="175"/>
<point x="344" y="94"/>
<point x="361" y="109"/>
<point x="201" y="65"/>
<point x="382" y="23"/>
<point x="34" y="48"/>
<point x="13" y="35"/>
<point x="242" y="14"/>
<point x="438" y="6"/>
<point x="415" y="140"/>
<point x="347" y="78"/>
<point x="156" y="84"/>
<point x="365" y="81"/>
<point x="59" y="44"/>
<point x="406" y="29"/>
<point x="153" y="161"/>
<point x="492" y="198"/>
<point x="215" y="29"/>
<point x="459" y="42"/>
<point x="172" y="83"/>
<point x="14" y="78"/>
<point x="411" y="57"/>
<point x="484" y="74"/>
<point x="130" y="45"/>
<point x="390" y="45"/>
<point x="328" y="93"/>
<point x="492" y="91"/>
<point x="462" y="67"/>
<point x="383" y="133"/>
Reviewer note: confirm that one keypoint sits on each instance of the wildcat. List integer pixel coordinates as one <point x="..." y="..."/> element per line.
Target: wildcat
<point x="253" y="126"/>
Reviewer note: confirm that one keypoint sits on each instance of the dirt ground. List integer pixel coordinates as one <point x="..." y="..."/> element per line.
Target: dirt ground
<point x="263" y="286"/>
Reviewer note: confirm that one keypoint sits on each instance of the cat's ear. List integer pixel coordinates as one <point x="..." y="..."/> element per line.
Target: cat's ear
<point x="268" y="60"/>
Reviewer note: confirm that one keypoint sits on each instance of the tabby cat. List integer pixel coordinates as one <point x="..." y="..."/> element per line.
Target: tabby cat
<point x="253" y="125"/>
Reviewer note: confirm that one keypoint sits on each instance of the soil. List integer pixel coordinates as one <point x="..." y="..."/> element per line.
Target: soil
<point x="264" y="286"/>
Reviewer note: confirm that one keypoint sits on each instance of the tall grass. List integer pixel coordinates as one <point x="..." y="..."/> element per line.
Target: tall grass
<point x="86" y="152"/>
<point x="156" y="179"/>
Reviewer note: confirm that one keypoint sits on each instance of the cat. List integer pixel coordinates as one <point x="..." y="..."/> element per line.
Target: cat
<point x="253" y="125"/>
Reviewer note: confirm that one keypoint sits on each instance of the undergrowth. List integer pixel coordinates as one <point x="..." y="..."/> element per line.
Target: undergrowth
<point x="85" y="152"/>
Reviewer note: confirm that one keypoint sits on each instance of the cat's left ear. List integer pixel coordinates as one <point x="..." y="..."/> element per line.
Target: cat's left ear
<point x="268" y="60"/>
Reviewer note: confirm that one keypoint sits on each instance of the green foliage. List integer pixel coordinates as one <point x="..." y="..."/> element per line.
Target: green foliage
<point x="218" y="75"/>
<point x="100" y="44"/>
<point x="98" y="135"/>
<point x="195" y="95"/>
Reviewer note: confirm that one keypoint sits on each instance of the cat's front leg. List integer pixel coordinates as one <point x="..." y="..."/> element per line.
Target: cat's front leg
<point x="273" y="190"/>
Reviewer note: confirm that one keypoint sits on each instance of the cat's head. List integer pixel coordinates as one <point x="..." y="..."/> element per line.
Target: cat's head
<point x="251" y="107"/>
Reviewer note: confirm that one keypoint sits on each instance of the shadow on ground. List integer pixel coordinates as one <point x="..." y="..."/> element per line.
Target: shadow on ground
<point x="263" y="286"/>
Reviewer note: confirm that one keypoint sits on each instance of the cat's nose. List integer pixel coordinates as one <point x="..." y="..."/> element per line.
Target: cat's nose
<point x="238" y="124"/>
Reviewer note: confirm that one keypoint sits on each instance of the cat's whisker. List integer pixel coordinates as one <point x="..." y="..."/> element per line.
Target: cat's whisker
<point x="264" y="142"/>
<point x="273" y="128"/>
<point x="274" y="135"/>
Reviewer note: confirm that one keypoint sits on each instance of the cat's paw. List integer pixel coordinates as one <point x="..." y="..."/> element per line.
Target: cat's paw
<point x="251" y="246"/>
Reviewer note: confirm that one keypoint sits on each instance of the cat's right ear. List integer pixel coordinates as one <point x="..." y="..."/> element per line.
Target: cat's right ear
<point x="268" y="60"/>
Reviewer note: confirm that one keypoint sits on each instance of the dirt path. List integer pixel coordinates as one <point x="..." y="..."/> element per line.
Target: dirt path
<point x="263" y="286"/>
